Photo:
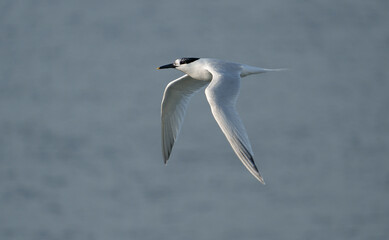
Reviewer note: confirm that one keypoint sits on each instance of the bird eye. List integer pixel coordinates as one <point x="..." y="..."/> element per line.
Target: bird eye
<point x="187" y="60"/>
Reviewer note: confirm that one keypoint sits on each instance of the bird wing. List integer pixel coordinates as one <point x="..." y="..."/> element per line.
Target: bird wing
<point x="173" y="107"/>
<point x="221" y="94"/>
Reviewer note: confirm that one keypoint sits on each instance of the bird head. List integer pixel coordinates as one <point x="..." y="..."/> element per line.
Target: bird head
<point x="179" y="64"/>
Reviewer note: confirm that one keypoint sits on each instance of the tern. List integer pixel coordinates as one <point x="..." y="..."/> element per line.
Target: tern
<point x="222" y="79"/>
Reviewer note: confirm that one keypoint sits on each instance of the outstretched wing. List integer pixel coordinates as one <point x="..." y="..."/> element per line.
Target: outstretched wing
<point x="173" y="107"/>
<point x="221" y="94"/>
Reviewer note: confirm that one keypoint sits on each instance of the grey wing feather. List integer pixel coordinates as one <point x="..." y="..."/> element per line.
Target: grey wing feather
<point x="173" y="107"/>
<point x="221" y="95"/>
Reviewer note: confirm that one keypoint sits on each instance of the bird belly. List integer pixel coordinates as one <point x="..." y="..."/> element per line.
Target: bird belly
<point x="202" y="75"/>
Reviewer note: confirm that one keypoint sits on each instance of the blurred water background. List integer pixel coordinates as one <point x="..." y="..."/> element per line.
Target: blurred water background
<point x="80" y="151"/>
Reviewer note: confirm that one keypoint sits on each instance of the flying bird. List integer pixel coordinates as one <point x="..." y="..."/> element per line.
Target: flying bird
<point x="223" y="83"/>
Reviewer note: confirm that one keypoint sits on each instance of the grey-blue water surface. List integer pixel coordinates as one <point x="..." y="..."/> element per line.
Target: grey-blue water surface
<point x="80" y="151"/>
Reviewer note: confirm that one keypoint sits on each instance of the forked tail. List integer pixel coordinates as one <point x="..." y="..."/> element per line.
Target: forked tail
<point x="275" y="69"/>
<point x="248" y="70"/>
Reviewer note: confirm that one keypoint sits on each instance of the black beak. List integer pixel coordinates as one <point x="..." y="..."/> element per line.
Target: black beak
<point x="167" y="66"/>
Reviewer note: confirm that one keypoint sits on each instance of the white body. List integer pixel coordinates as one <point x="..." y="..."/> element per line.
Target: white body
<point x="204" y="68"/>
<point x="223" y="81"/>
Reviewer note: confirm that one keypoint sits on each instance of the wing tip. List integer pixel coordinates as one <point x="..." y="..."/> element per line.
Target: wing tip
<point x="256" y="173"/>
<point x="166" y="156"/>
<point x="260" y="178"/>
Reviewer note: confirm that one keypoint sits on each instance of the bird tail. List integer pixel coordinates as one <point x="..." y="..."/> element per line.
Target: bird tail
<point x="248" y="70"/>
<point x="274" y="69"/>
